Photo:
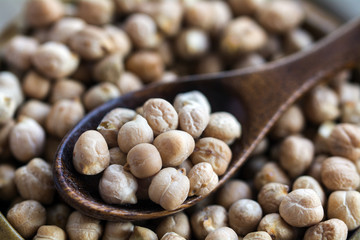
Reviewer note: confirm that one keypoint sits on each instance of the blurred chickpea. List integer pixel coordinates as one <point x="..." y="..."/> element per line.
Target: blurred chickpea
<point x="5" y="131"/>
<point x="10" y="87"/>
<point x="340" y="79"/>
<point x="249" y="60"/>
<point x="261" y="147"/>
<point x="350" y="112"/>
<point x="322" y="137"/>
<point x="245" y="7"/>
<point x="270" y="172"/>
<point x="274" y="225"/>
<point x="100" y="94"/>
<point x="41" y="13"/>
<point x="19" y="50"/>
<point x="211" y="63"/>
<point x="291" y="122"/>
<point x="315" y="168"/>
<point x="202" y="179"/>
<point x="192" y="43"/>
<point x="143" y="233"/>
<point x="58" y="215"/>
<point x="121" y="40"/>
<point x="272" y="48"/>
<point x="128" y="82"/>
<point x="297" y="40"/>
<point x="36" y="110"/>
<point x="169" y="76"/>
<point x="63" y="116"/>
<point x="117" y="156"/>
<point x="96" y="12"/>
<point x="66" y="89"/>
<point x="126" y="7"/>
<point x="7" y="108"/>
<point x="26" y="217"/>
<point x="8" y="189"/>
<point x="232" y="191"/>
<point x="166" y="52"/>
<point x="36" y="86"/>
<point x="177" y="223"/>
<point x="348" y="92"/>
<point x="331" y="229"/>
<point x="109" y="69"/>
<point x="222" y="233"/>
<point x="48" y="232"/>
<point x="63" y="29"/>
<point x="117" y="230"/>
<point x="80" y="226"/>
<point x="271" y="195"/>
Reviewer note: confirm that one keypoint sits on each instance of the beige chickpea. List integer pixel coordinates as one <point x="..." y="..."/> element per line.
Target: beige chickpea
<point x="169" y="188"/>
<point x="5" y="130"/>
<point x="202" y="179"/>
<point x="117" y="230"/>
<point x="48" y="232"/>
<point x="10" y="87"/>
<point x="8" y="189"/>
<point x="222" y="233"/>
<point x="270" y="172"/>
<point x="128" y="82"/>
<point x="291" y="122"/>
<point x="91" y="43"/>
<point x="193" y="119"/>
<point x="245" y="7"/>
<point x="36" y="86"/>
<point x="100" y="94"/>
<point x="208" y="219"/>
<point x="183" y="99"/>
<point x="315" y="168"/>
<point x="213" y="151"/>
<point x="121" y="40"/>
<point x="146" y="64"/>
<point x="165" y="49"/>
<point x="322" y="136"/>
<point x="344" y="141"/>
<point x="27" y="139"/>
<point x="63" y="116"/>
<point x="350" y="112"/>
<point x="118" y="186"/>
<point x="58" y="215"/>
<point x="339" y="173"/>
<point x="91" y="155"/>
<point x="117" y="156"/>
<point x="7" y="108"/>
<point x="144" y="160"/>
<point x="169" y="76"/>
<point x="55" y="60"/>
<point x="36" y="110"/>
<point x="248" y="34"/>
<point x="301" y="208"/>
<point x="143" y="233"/>
<point x="280" y="15"/>
<point x="297" y="40"/>
<point x="174" y="146"/>
<point x="109" y="69"/>
<point x="276" y="227"/>
<point x="345" y="205"/>
<point x="249" y="60"/>
<point x="232" y="191"/>
<point x="160" y="115"/>
<point x="259" y="235"/>
<point x="80" y="226"/>
<point x="310" y="183"/>
<point x="331" y="229"/>
<point x="64" y="28"/>
<point x="177" y="223"/>
<point x="244" y="216"/>
<point x="192" y="43"/>
<point x="296" y="155"/>
<point x="133" y="133"/>
<point x="66" y="89"/>
<point x="35" y="181"/>
<point x="19" y="50"/>
<point x="96" y="12"/>
<point x="271" y="195"/>
<point x="223" y="126"/>
<point x="26" y="217"/>
<point x="348" y="92"/>
<point x="41" y="13"/>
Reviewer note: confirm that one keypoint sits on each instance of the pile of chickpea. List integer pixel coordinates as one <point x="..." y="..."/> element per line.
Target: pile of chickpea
<point x="301" y="182"/>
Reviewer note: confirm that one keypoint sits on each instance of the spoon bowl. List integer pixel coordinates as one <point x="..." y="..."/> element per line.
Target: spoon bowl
<point x="256" y="97"/>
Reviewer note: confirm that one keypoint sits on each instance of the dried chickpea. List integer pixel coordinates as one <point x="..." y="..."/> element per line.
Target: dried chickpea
<point x="208" y="219"/>
<point x="10" y="87"/>
<point x="5" y="131"/>
<point x="174" y="146"/>
<point x="250" y="60"/>
<point x="222" y="233"/>
<point x="41" y="13"/>
<point x="193" y="119"/>
<point x="36" y="86"/>
<point x="112" y="122"/>
<point x="133" y="133"/>
<point x="117" y="156"/>
<point x="350" y="112"/>
<point x="48" y="232"/>
<point x="223" y="126"/>
<point x="121" y="40"/>
<point x="91" y="155"/>
<point x="348" y="92"/>
<point x="7" y="108"/>
<point x="27" y="139"/>
<point x="80" y="226"/>
<point x="202" y="179"/>
<point x="315" y="168"/>
<point x="172" y="236"/>
<point x="146" y="64"/>
<point x="96" y="12"/>
<point x="345" y="205"/>
<point x="297" y="40"/>
<point x="117" y="230"/>
<point x="192" y="43"/>
<point x="160" y="115"/>
<point x="169" y="188"/>
<point x="128" y="82"/>
<point x="211" y="63"/>
<point x="8" y="189"/>
<point x="232" y="191"/>
<point x="213" y="151"/>
<point x="301" y="208"/>
<point x="109" y="69"/>
<point x="259" y="235"/>
<point x="35" y="181"/>
<point x="332" y="229"/>
<point x="177" y="223"/>
<point x="144" y="160"/>
<point x="100" y="94"/>
<point x="66" y="89"/>
<point x="310" y="183"/>
<point x="169" y="76"/>
<point x="36" y="110"/>
<point x="118" y="186"/>
<point x="322" y="136"/>
<point x="276" y="227"/>
<point x="55" y="60"/>
<point x="143" y="233"/>
<point x="19" y="50"/>
<point x="58" y="215"/>
<point x="291" y="122"/>
<point x="183" y="99"/>
<point x="296" y="155"/>
<point x="63" y="29"/>
<point x="63" y="116"/>
<point x="339" y="173"/>
<point x="271" y="195"/>
<point x="270" y="172"/>
<point x="26" y="217"/>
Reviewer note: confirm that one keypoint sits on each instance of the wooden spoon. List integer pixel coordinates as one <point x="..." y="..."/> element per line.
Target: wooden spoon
<point x="256" y="97"/>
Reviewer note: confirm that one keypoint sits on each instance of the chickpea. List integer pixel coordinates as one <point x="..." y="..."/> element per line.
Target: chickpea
<point x="297" y="40"/>
<point x="232" y="191"/>
<point x="271" y="195"/>
<point x="36" y="110"/>
<point x="7" y="108"/>
<point x="183" y="99"/>
<point x="47" y="232"/>
<point x="10" y="87"/>
<point x="133" y="133"/>
<point x="250" y="60"/>
<point x="63" y="116"/>
<point x="143" y="233"/>
<point x="222" y="233"/>
<point x="161" y="115"/>
<point x="27" y="139"/>
<point x="36" y="86"/>
<point x="202" y="178"/>
<point x="96" y="12"/>
<point x="211" y="63"/>
<point x="117" y="156"/>
<point x="26" y="217"/>
<point x="331" y="229"/>
<point x="340" y="79"/>
<point x="19" y="50"/>
<point x="213" y="151"/>
<point x="291" y="122"/>
<point x="192" y="44"/>
<point x="118" y="230"/>
<point x="177" y="223"/>
<point x="208" y="219"/>
<point x="5" y="131"/>
<point x="310" y="183"/>
<point x="66" y="89"/>
<point x="270" y="172"/>
<point x="174" y="146"/>
<point x="166" y="52"/>
<point x="100" y="94"/>
<point x="63" y="29"/>
<point x="261" y="235"/>
<point x="244" y="216"/>
<point x="8" y="189"/>
<point x="128" y="82"/>
<point x="121" y="40"/>
<point x="315" y="168"/>
<point x="80" y="226"/>
<point x="109" y="69"/>
<point x="348" y="92"/>
<point x="193" y="119"/>
<point x="146" y="64"/>
<point x="169" y="76"/>
<point x="58" y="215"/>
<point x="296" y="155"/>
<point x="277" y="228"/>
<point x="261" y="147"/>
<point x="350" y="112"/>
<point x="187" y="165"/>
<point x="172" y="236"/>
<point x="169" y="188"/>
<point x="245" y="7"/>
<point x="301" y="208"/>
<point x="322" y="136"/>
<point x="42" y="13"/>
